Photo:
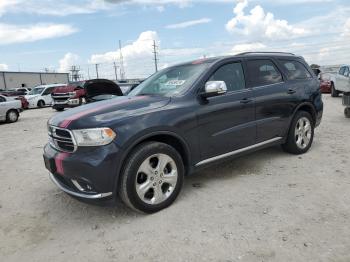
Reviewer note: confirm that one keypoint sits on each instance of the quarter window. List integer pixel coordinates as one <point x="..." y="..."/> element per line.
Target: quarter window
<point x="263" y="72"/>
<point x="2" y="99"/>
<point x="232" y="74"/>
<point x="342" y="70"/>
<point x="295" y="70"/>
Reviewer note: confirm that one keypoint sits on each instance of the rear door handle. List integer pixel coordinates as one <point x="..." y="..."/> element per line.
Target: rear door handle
<point x="246" y="101"/>
<point x="291" y="91"/>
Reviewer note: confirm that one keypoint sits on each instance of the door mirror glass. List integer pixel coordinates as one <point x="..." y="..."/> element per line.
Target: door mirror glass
<point x="214" y="88"/>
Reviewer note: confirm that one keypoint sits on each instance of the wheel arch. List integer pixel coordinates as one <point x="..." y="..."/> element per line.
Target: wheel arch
<point x="167" y="137"/>
<point x="307" y="107"/>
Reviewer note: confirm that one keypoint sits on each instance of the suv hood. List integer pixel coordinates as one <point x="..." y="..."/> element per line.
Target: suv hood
<point x="64" y="89"/>
<point x="107" y="112"/>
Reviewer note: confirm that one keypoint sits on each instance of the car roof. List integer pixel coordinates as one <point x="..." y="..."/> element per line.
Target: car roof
<point x="53" y="85"/>
<point x="212" y="60"/>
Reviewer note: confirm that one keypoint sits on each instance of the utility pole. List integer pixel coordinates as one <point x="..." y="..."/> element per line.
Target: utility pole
<point x="115" y="71"/>
<point x="96" y="67"/>
<point x="88" y="72"/>
<point x="122" y="71"/>
<point x="75" y="73"/>
<point x="155" y="55"/>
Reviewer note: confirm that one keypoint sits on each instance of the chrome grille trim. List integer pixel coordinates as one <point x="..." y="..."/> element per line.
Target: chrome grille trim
<point x="55" y="139"/>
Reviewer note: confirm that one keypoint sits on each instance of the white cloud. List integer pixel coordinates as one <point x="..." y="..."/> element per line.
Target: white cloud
<point x="138" y="57"/>
<point x="260" y="25"/>
<point x="346" y="28"/>
<point x="10" y="34"/>
<point x="189" y="23"/>
<point x="240" y="48"/>
<point x="67" y="61"/>
<point x="3" y="67"/>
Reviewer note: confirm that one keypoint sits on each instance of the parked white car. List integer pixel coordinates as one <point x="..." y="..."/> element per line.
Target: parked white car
<point x="40" y="96"/>
<point x="9" y="109"/>
<point x="341" y="81"/>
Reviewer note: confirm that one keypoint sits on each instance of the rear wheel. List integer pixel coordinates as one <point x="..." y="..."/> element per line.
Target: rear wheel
<point x="152" y="177"/>
<point x="334" y="92"/>
<point x="301" y="134"/>
<point x="347" y="112"/>
<point x="41" y="103"/>
<point x="12" y="116"/>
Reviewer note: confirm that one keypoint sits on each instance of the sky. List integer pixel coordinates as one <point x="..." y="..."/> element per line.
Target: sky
<point x="54" y="35"/>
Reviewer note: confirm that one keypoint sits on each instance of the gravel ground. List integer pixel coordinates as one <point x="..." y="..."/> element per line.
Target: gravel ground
<point x="268" y="206"/>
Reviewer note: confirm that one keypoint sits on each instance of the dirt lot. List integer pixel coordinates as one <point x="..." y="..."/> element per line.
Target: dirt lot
<point x="269" y="206"/>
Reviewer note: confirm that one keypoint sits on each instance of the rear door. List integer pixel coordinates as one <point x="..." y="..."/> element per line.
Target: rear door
<point x="46" y="95"/>
<point x="226" y="122"/>
<point x="342" y="83"/>
<point x="274" y="98"/>
<point x="3" y="108"/>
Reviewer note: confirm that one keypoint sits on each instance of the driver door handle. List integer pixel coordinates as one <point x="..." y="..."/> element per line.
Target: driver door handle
<point x="246" y="101"/>
<point x="291" y="91"/>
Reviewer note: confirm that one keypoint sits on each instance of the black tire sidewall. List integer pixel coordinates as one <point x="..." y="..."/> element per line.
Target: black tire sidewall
<point x="129" y="175"/>
<point x="334" y="92"/>
<point x="41" y="103"/>
<point x="347" y="112"/>
<point x="8" y="118"/>
<point x="291" y="145"/>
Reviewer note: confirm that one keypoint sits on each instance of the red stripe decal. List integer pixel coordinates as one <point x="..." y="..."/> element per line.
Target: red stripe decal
<point x="59" y="162"/>
<point x="65" y="123"/>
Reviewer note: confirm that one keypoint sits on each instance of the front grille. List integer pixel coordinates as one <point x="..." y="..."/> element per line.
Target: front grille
<point x="62" y="139"/>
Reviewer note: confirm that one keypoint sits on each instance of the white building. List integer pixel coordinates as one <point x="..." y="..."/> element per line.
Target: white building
<point x="12" y="80"/>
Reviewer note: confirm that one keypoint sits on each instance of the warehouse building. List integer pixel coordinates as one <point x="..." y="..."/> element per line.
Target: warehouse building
<point x="12" y="80"/>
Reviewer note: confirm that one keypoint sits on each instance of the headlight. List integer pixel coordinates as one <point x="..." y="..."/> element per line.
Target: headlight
<point x="72" y="94"/>
<point x="94" y="137"/>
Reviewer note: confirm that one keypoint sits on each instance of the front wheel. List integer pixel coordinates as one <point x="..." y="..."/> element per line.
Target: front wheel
<point x="347" y="112"/>
<point x="334" y="92"/>
<point x="301" y="134"/>
<point x="41" y="104"/>
<point x="12" y="116"/>
<point x="152" y="178"/>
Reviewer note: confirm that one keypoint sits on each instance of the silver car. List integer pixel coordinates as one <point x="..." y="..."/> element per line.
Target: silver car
<point x="9" y="109"/>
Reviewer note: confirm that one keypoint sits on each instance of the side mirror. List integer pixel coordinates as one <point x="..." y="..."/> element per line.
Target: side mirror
<point x="214" y="88"/>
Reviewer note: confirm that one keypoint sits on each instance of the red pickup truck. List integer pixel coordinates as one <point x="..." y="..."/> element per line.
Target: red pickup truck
<point x="75" y="94"/>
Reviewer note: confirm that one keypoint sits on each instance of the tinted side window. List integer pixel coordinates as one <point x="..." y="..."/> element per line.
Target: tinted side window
<point x="48" y="91"/>
<point x="232" y="75"/>
<point x="263" y="72"/>
<point x="342" y="70"/>
<point x="2" y="99"/>
<point x="295" y="70"/>
<point x="346" y="71"/>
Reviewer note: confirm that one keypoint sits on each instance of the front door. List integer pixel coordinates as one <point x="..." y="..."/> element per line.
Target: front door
<point x="227" y="122"/>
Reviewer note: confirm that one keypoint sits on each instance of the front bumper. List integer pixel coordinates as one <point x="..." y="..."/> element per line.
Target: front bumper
<point x="70" y="102"/>
<point x="88" y="173"/>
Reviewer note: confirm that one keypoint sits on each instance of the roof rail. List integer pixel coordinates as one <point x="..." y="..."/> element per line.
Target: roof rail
<point x="246" y="53"/>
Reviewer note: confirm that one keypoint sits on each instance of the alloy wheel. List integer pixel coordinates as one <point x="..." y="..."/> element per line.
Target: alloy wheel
<point x="303" y="133"/>
<point x="156" y="179"/>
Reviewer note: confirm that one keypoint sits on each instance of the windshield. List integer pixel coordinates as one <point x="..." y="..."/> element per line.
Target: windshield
<point x="170" y="81"/>
<point x="36" y="91"/>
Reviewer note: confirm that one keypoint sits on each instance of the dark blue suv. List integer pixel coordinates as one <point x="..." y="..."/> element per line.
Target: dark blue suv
<point x="179" y="120"/>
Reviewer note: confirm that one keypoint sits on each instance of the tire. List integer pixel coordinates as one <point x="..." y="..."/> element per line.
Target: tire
<point x="347" y="112"/>
<point x="12" y="116"/>
<point x="300" y="135"/>
<point x="149" y="191"/>
<point x="41" y="103"/>
<point x="60" y="109"/>
<point x="334" y="92"/>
